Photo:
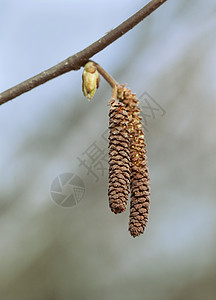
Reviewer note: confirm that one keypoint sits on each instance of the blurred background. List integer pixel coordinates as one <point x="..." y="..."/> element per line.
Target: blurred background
<point x="84" y="251"/>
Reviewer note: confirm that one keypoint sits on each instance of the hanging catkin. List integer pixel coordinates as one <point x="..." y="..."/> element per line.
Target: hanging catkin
<point x="139" y="178"/>
<point x="119" y="158"/>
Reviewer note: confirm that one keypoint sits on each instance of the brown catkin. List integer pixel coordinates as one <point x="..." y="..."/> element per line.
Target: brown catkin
<point x="119" y="158"/>
<point x="139" y="178"/>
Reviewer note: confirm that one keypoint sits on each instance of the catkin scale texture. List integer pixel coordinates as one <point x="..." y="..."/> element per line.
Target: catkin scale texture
<point x="139" y="174"/>
<point x="119" y="158"/>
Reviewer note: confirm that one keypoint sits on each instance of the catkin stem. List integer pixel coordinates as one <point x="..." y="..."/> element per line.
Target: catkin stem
<point x="109" y="79"/>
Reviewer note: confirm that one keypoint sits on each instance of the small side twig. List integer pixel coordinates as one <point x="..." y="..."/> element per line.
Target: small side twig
<point x="110" y="80"/>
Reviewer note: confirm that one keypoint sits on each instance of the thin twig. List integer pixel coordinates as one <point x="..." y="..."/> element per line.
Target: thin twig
<point x="109" y="79"/>
<point x="76" y="61"/>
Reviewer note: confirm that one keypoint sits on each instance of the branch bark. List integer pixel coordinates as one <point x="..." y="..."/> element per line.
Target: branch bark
<point x="76" y="61"/>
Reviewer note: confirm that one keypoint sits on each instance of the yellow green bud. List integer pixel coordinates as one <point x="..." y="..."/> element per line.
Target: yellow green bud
<point x="90" y="79"/>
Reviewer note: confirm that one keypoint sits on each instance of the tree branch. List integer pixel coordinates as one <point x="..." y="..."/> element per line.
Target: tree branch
<point x="79" y="59"/>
